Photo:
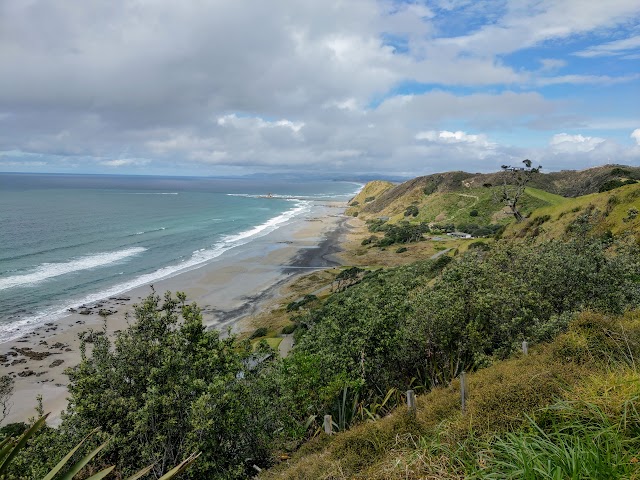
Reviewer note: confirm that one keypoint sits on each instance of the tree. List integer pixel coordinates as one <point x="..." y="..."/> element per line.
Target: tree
<point x="514" y="182"/>
<point x="165" y="388"/>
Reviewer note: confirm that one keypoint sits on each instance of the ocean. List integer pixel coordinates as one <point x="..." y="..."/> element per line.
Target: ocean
<point x="68" y="240"/>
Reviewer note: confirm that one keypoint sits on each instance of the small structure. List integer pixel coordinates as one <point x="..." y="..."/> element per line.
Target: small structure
<point x="460" y="235"/>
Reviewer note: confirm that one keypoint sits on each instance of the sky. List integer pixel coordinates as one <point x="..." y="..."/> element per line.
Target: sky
<point x="231" y="87"/>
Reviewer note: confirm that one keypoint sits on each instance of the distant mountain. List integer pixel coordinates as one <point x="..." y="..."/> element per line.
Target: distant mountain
<point x="338" y="177"/>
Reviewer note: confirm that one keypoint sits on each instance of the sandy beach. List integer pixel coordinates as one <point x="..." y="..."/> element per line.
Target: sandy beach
<point x="231" y="288"/>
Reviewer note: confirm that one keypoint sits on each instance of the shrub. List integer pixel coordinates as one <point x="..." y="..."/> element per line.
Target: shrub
<point x="369" y="199"/>
<point x="369" y="240"/>
<point x="632" y="213"/>
<point x="164" y="387"/>
<point x="289" y="329"/>
<point x="411" y="211"/>
<point x="292" y="306"/>
<point x="479" y="246"/>
<point x="430" y="188"/>
<point x="473" y="213"/>
<point x="401" y="250"/>
<point x="354" y="204"/>
<point x="260" y="332"/>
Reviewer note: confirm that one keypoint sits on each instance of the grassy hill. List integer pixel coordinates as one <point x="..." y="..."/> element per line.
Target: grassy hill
<point x="614" y="212"/>
<point x="452" y="196"/>
<point x="478" y="205"/>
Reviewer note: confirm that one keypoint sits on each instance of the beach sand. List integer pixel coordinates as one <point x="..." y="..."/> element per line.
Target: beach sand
<point x="229" y="289"/>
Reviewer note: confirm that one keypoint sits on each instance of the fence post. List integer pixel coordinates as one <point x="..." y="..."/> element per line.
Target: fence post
<point x="411" y="401"/>
<point x="328" y="427"/>
<point x="525" y="347"/>
<point x="464" y="390"/>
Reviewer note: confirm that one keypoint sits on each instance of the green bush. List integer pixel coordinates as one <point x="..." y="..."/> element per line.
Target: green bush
<point x="411" y="211"/>
<point x="166" y="386"/>
<point x="369" y="240"/>
<point x="479" y="246"/>
<point x="473" y="213"/>
<point x="289" y="329"/>
<point x="401" y="250"/>
<point x="260" y="332"/>
<point x="430" y="188"/>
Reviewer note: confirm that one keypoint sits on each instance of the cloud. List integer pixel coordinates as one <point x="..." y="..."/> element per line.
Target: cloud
<point x="125" y="162"/>
<point x="586" y="79"/>
<point x="445" y="136"/>
<point x="195" y="87"/>
<point x="615" y="48"/>
<point x="636" y="135"/>
<point x="529" y="23"/>
<point x="563" y="142"/>
<point x="552" y="64"/>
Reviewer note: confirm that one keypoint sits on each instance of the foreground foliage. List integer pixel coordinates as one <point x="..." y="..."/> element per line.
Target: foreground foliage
<point x="10" y="447"/>
<point x="165" y="388"/>
<point x="567" y="410"/>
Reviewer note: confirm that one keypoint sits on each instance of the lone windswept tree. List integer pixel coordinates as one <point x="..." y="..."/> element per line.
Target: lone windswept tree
<point x="514" y="182"/>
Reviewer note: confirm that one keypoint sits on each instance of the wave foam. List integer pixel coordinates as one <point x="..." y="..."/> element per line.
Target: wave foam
<point x="46" y="271"/>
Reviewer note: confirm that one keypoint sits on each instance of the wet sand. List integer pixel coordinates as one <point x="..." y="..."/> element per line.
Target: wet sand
<point x="233" y="287"/>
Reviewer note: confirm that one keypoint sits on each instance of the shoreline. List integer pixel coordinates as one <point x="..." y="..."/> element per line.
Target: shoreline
<point x="228" y="289"/>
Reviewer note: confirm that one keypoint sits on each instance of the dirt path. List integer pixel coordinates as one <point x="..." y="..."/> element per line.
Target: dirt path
<point x="285" y="345"/>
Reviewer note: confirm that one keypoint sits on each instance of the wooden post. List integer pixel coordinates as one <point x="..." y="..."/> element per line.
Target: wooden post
<point x="328" y="427"/>
<point x="464" y="390"/>
<point x="525" y="347"/>
<point x="411" y="401"/>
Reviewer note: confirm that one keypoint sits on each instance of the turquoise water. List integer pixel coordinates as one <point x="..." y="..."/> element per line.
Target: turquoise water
<point x="66" y="240"/>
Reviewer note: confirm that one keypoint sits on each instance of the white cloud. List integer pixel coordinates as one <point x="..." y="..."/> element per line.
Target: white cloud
<point x="617" y="47"/>
<point x="586" y="79"/>
<point x="125" y="162"/>
<point x="529" y="23"/>
<point x="551" y="64"/>
<point x="565" y="143"/>
<point x="445" y="136"/>
<point x="257" y="123"/>
<point x="636" y="135"/>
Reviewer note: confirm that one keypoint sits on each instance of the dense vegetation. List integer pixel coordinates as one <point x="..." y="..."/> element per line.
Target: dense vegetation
<point x="566" y="410"/>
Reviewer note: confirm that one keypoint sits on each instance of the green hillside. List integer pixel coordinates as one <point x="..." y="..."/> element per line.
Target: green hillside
<point x="614" y="212"/>
<point x="478" y="205"/>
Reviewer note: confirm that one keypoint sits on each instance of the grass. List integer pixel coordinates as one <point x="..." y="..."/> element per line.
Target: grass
<point x="549" y="198"/>
<point x="602" y="212"/>
<point x="571" y="439"/>
<point x="456" y="207"/>
<point x="273" y="342"/>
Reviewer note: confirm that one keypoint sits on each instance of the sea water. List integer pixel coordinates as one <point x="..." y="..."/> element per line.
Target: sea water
<point x="67" y="240"/>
